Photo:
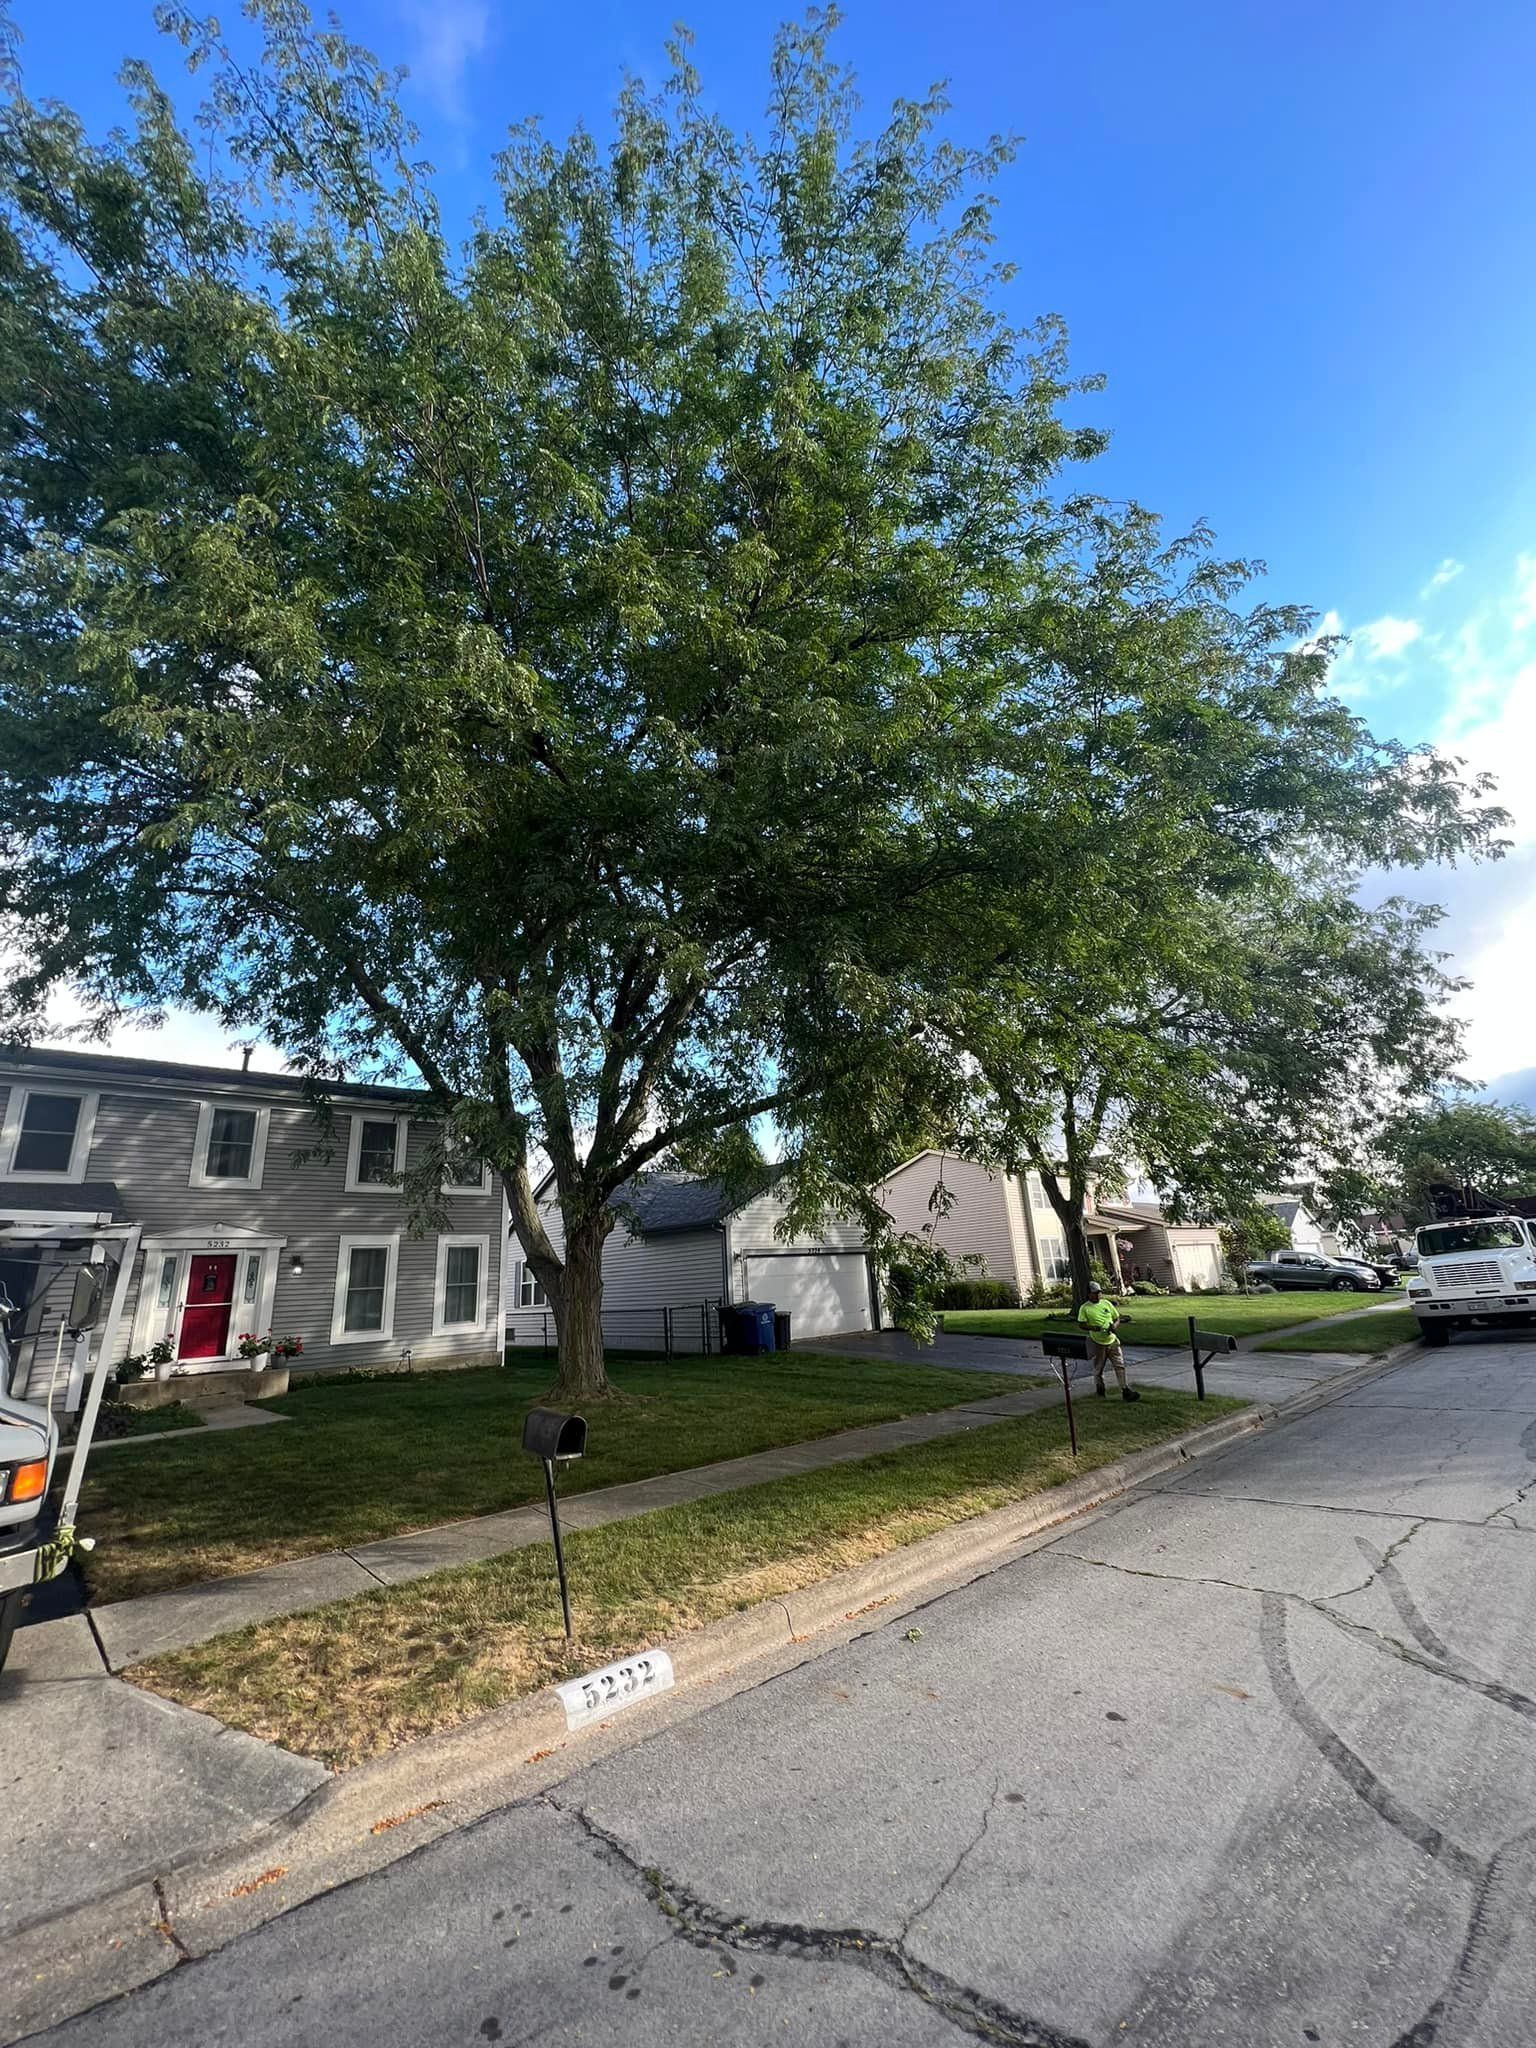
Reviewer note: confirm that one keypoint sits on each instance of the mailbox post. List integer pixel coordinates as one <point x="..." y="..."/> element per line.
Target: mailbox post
<point x="1214" y="1343"/>
<point x="552" y="1437"/>
<point x="1061" y="1347"/>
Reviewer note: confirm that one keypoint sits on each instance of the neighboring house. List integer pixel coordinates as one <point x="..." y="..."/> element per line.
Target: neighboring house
<point x="691" y="1247"/>
<point x="239" y="1234"/>
<point x="1007" y="1222"/>
<point x="1307" y="1233"/>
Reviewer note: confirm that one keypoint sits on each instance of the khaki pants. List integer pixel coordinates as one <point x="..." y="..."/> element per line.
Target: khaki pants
<point x="1107" y="1354"/>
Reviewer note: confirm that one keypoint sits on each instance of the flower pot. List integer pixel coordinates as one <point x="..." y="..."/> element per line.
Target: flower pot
<point x="163" y="1369"/>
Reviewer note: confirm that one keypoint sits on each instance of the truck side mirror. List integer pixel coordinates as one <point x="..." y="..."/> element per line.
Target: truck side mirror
<point x="86" y="1302"/>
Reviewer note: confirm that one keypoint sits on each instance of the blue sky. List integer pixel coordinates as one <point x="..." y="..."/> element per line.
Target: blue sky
<point x="1299" y="240"/>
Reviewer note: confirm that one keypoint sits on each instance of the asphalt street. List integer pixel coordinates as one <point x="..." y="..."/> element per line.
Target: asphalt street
<point x="1248" y="1759"/>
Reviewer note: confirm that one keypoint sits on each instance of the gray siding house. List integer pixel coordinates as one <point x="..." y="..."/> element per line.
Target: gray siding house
<point x="239" y="1232"/>
<point x="692" y="1247"/>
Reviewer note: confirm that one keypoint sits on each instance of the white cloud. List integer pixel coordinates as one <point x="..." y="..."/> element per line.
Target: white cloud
<point x="1385" y="639"/>
<point x="449" y="35"/>
<point x="1488" y="720"/>
<point x="1447" y="572"/>
<point x="184" y="1036"/>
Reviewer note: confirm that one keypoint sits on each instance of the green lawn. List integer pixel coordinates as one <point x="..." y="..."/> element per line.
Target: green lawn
<point x="116" y="1420"/>
<point x="352" y="1679"/>
<point x="1372" y="1333"/>
<point x="377" y="1457"/>
<point x="1154" y="1319"/>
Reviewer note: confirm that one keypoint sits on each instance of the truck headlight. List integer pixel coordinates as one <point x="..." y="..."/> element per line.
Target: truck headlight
<point x="24" y="1482"/>
<point x="1418" y="1287"/>
<point x="1525" y="1286"/>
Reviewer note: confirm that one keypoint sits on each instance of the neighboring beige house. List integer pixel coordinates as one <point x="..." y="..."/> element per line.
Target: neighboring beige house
<point x="1006" y="1220"/>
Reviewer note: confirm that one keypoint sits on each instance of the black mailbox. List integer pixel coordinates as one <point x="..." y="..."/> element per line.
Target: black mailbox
<point x="1064" y="1344"/>
<point x="1212" y="1341"/>
<point x="549" y="1434"/>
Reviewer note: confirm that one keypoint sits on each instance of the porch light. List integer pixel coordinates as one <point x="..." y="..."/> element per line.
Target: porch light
<point x="296" y="1264"/>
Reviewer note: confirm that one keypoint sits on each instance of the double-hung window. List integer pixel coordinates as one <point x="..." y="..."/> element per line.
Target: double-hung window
<point x="526" y="1289"/>
<point x="375" y="1153"/>
<point x="364" y="1307"/>
<point x="46" y="1134"/>
<point x="230" y="1148"/>
<point x="459" y="1296"/>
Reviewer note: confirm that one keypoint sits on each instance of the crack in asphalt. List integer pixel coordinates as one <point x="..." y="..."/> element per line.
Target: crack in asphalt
<point x="1181" y="1487"/>
<point x="1431" y="1656"/>
<point x="953" y="1871"/>
<point x="696" y="1921"/>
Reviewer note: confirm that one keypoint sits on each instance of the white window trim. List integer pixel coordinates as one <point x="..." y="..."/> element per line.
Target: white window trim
<point x="355" y="1146"/>
<point x="451" y="1187"/>
<point x="10" y="1131"/>
<point x="151" y="1322"/>
<point x="365" y="1241"/>
<point x="200" y="1176"/>
<point x="534" y="1308"/>
<point x="440" y="1324"/>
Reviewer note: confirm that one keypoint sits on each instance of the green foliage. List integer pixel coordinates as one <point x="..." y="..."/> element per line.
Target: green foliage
<point x="533" y="666"/>
<point x="1187" y="986"/>
<point x="979" y="1294"/>
<point x="1252" y="1234"/>
<point x="1147" y="1287"/>
<point x="1453" y="1138"/>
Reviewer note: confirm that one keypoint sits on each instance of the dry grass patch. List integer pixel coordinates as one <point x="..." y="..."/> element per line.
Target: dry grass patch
<point x="353" y="1679"/>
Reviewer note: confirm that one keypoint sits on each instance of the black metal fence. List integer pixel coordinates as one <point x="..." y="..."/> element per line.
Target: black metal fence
<point x="689" y="1329"/>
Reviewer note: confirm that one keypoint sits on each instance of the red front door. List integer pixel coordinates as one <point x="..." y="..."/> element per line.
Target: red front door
<point x="210" y="1304"/>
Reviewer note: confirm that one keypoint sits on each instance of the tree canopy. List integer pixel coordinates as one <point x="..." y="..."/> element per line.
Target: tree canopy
<point x="1178" y="979"/>
<point x="1456" y="1139"/>
<point x="534" y="665"/>
<point x="637" y="670"/>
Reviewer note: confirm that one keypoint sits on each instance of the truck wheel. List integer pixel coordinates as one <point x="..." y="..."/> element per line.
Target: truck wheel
<point x="1435" y="1333"/>
<point x="10" y="1614"/>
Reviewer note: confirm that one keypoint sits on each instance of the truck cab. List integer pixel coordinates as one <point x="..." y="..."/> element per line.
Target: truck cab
<point x="29" y="1443"/>
<point x="1474" y="1271"/>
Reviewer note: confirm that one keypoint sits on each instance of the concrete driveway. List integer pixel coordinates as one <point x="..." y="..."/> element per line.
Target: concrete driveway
<point x="1248" y="1759"/>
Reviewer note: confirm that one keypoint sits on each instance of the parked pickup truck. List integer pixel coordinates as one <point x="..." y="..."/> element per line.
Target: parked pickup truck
<point x="1313" y="1269"/>
<point x="1477" y="1270"/>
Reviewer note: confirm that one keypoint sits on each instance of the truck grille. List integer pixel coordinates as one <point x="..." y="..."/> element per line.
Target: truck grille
<point x="1473" y="1273"/>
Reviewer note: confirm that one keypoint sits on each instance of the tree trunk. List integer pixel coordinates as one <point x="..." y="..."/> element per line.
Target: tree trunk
<point x="578" y="1310"/>
<point x="1078" y="1259"/>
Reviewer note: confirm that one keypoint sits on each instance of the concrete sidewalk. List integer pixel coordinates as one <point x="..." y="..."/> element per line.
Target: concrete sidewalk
<point x="102" y="1785"/>
<point x="1248" y="1374"/>
<point x="133" y="1630"/>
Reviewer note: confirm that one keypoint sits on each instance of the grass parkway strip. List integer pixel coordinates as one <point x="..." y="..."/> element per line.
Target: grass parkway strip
<point x="355" y="1678"/>
<point x="363" y="1459"/>
<point x="1372" y="1333"/>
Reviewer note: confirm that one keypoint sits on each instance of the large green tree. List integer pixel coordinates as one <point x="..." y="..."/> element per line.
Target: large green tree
<point x="1455" y="1139"/>
<point x="560" y="667"/>
<point x="1187" y="987"/>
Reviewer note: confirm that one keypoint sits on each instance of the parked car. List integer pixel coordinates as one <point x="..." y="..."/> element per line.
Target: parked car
<point x="1314" y="1269"/>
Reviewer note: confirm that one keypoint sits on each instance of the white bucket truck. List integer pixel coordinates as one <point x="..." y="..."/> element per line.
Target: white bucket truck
<point x="73" y="1277"/>
<point x="1476" y="1270"/>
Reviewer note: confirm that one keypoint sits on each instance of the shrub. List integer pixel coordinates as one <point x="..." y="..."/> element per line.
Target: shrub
<point x="1147" y="1287"/>
<point x="978" y="1294"/>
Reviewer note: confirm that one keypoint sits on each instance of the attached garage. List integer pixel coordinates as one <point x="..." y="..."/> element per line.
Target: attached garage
<point x="827" y="1293"/>
<point x="685" y="1248"/>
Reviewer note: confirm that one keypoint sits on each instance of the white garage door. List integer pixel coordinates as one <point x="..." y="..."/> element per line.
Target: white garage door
<point x="827" y="1293"/>
<point x="1197" y="1265"/>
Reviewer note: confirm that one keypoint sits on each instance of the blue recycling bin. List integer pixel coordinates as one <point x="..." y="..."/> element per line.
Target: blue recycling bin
<point x="748" y="1327"/>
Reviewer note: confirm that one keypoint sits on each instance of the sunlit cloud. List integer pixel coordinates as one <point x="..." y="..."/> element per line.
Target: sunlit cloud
<point x="1447" y="572"/>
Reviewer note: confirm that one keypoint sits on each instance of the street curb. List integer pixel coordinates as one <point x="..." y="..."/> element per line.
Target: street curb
<point x="368" y="1817"/>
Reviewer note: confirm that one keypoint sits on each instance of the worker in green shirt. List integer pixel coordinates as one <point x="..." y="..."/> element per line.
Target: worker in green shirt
<point x="1099" y="1317"/>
